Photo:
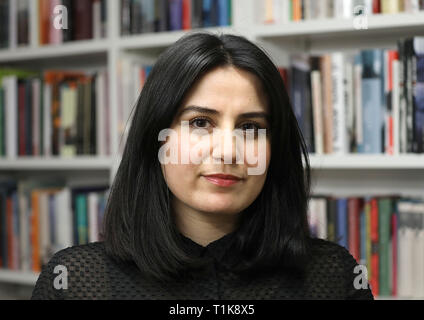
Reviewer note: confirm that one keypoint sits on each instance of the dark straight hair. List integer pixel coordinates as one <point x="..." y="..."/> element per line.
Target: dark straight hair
<point x="138" y="223"/>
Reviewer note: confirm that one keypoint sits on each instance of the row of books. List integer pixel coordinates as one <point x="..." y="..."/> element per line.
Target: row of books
<point x="57" y="113"/>
<point x="284" y="11"/>
<point x="140" y="16"/>
<point x="370" y="101"/>
<point x="383" y="233"/>
<point x="39" y="218"/>
<point x="132" y="75"/>
<point x="40" y="22"/>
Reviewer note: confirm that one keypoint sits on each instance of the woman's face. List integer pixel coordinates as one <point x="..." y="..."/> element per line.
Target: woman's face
<point x="223" y="100"/>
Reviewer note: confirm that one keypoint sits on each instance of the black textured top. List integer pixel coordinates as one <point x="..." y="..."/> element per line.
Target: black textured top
<point x="91" y="274"/>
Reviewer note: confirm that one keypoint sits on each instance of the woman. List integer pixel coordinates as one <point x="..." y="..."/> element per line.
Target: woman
<point x="220" y="227"/>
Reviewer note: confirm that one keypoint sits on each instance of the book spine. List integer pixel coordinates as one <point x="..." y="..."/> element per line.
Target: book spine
<point x="342" y="224"/>
<point x="384" y="215"/>
<point x="353" y="226"/>
<point x="81" y="215"/>
<point x="375" y="263"/>
<point x="186" y="14"/>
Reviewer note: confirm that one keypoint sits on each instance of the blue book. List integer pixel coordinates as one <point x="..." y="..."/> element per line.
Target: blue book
<point x="52" y="219"/>
<point x="419" y="106"/>
<point x="372" y="102"/>
<point x="175" y="14"/>
<point x="147" y="70"/>
<point x="223" y="13"/>
<point x="207" y="7"/>
<point x="341" y="229"/>
<point x="81" y="215"/>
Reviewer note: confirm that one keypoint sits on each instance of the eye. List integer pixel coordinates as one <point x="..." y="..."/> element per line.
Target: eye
<point x="200" y="123"/>
<point x="250" y="126"/>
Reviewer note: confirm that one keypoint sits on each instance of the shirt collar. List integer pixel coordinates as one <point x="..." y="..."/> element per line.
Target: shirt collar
<point x="216" y="249"/>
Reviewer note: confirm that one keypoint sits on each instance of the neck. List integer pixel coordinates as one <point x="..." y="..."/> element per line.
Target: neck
<point x="203" y="227"/>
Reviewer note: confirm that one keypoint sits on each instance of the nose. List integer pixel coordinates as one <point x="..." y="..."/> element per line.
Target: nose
<point x="226" y="145"/>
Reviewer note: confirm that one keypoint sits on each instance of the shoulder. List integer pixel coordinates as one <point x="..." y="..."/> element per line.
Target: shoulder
<point x="72" y="271"/>
<point x="89" y="253"/>
<point x="333" y="264"/>
<point x="330" y="256"/>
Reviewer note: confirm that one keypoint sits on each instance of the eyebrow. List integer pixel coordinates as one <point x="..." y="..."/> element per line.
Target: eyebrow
<point x="256" y="114"/>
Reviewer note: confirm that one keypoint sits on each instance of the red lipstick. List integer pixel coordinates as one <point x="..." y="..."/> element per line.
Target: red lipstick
<point x="222" y="180"/>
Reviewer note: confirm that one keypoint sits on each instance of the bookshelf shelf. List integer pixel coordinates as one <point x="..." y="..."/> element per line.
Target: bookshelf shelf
<point x="38" y="163"/>
<point x="365" y="161"/>
<point x="18" y="277"/>
<point x="377" y="24"/>
<point x="76" y="48"/>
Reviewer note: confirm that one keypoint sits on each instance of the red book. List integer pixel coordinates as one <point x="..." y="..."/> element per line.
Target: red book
<point x="391" y="56"/>
<point x="374" y="247"/>
<point x="353" y="209"/>
<point x="44" y="21"/>
<point x="376" y="6"/>
<point x="186" y="14"/>
<point x="21" y="117"/>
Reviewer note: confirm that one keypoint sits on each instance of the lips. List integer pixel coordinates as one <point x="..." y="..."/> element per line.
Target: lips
<point x="222" y="180"/>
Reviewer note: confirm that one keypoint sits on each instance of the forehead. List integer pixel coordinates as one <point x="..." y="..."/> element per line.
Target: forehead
<point x="228" y="89"/>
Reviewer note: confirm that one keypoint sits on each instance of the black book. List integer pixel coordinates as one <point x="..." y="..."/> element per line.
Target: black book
<point x="28" y="117"/>
<point x="67" y="33"/>
<point x="161" y="15"/>
<point x="196" y="14"/>
<point x="4" y="23"/>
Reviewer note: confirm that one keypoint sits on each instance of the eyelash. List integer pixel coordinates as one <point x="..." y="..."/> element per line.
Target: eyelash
<point x="192" y="121"/>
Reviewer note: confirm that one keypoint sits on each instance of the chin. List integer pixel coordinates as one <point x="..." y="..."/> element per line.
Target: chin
<point x="220" y="208"/>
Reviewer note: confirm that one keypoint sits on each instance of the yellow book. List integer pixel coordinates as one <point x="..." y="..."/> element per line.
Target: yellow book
<point x="390" y="6"/>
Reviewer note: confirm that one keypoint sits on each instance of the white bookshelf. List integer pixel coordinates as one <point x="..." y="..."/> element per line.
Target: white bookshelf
<point x="18" y="277"/>
<point x="331" y="173"/>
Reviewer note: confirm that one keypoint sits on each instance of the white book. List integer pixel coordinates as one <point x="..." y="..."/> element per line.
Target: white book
<point x="312" y="217"/>
<point x="343" y="9"/>
<point x="357" y="80"/>
<point x="10" y="86"/>
<point x="33" y="21"/>
<point x="339" y="110"/>
<point x="285" y="11"/>
<point x="63" y="219"/>
<point x="395" y="107"/>
<point x="47" y="121"/>
<point x="24" y="240"/>
<point x="93" y="203"/>
<point x="97" y="20"/>
<point x="322" y="218"/>
<point x="318" y="115"/>
<point x="411" y="6"/>
<point x="349" y="102"/>
<point x="100" y="114"/>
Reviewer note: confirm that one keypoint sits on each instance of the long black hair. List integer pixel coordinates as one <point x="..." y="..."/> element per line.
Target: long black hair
<point x="138" y="224"/>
